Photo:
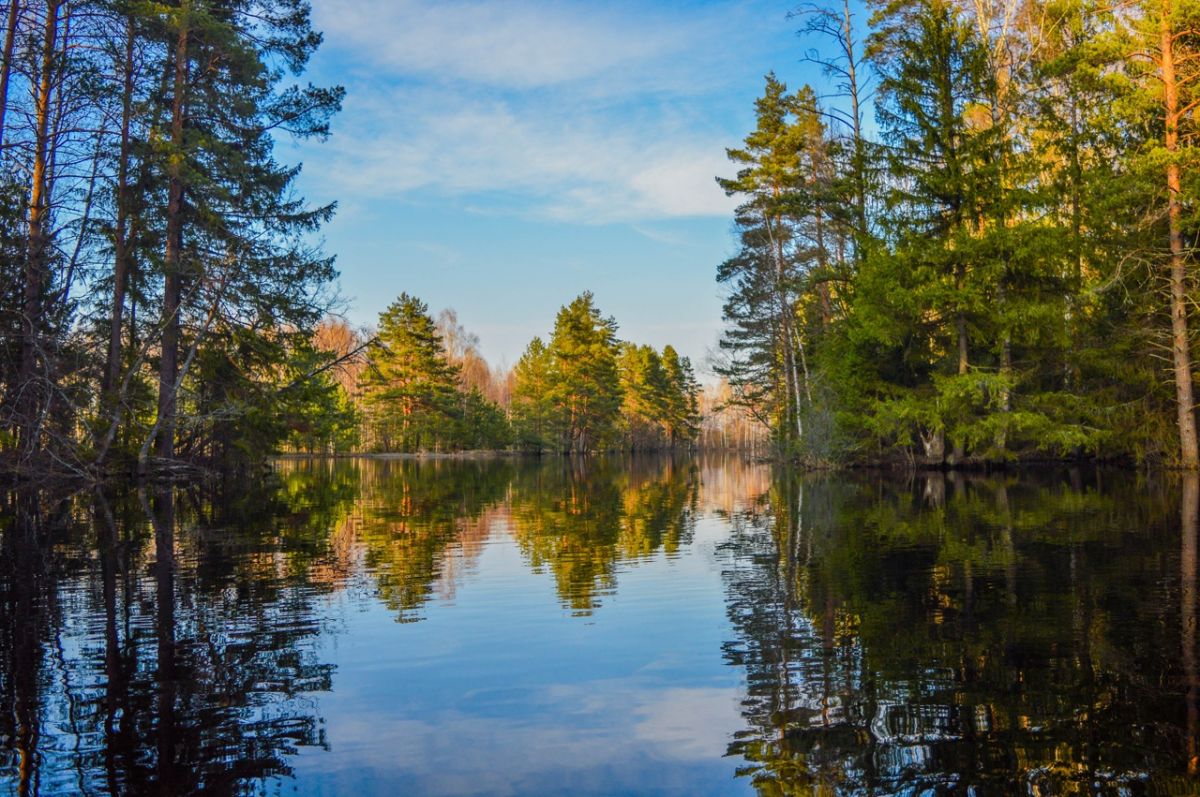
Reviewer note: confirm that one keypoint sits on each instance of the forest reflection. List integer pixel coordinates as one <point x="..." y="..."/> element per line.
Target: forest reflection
<point x="167" y="641"/>
<point x="418" y="526"/>
<point x="938" y="633"/>
<point x="125" y="671"/>
<point x="968" y="635"/>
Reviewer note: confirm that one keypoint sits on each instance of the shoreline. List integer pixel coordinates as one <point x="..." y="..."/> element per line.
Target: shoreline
<point x="500" y="453"/>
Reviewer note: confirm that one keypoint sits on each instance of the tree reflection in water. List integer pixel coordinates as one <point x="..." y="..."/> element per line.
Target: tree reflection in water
<point x="144" y="652"/>
<point x="944" y="633"/>
<point x="167" y="641"/>
<point x="578" y="519"/>
<point x="955" y="633"/>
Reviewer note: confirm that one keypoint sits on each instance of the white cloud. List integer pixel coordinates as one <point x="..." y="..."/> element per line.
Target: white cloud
<point x="557" y="110"/>
<point x="620" y="728"/>
<point x="508" y="43"/>
<point x="565" y="166"/>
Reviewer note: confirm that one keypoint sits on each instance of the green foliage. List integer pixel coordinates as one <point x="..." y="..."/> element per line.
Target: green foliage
<point x="412" y="394"/>
<point x="263" y="393"/>
<point x="586" y="386"/>
<point x="1001" y="299"/>
<point x="536" y="419"/>
<point x="158" y="251"/>
<point x="588" y="392"/>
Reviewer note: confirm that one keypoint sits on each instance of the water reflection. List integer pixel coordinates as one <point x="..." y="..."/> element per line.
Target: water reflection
<point x="129" y="673"/>
<point x="968" y="635"/>
<point x="642" y="626"/>
<point x="578" y="521"/>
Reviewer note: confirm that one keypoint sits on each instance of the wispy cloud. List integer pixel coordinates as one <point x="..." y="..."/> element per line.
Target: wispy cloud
<point x="562" y="110"/>
<point x="510" y="43"/>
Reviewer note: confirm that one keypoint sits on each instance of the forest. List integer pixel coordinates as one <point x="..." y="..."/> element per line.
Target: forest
<point x="159" y="281"/>
<point x="970" y="243"/>
<point x="973" y="243"/>
<point x="164" y="306"/>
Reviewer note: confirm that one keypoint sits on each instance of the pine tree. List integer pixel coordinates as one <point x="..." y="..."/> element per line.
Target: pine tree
<point x="409" y="388"/>
<point x="1162" y="48"/>
<point x="535" y="418"/>
<point x="682" y="409"/>
<point x="235" y="254"/>
<point x="646" y="392"/>
<point x="587" y="383"/>
<point x="767" y="353"/>
<point x="921" y="301"/>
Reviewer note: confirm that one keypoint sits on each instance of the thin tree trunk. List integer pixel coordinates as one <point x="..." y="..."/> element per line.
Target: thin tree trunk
<point x="1189" y="450"/>
<point x="964" y="356"/>
<point x="860" y="158"/>
<point x="197" y="339"/>
<point x="121" y="248"/>
<point x="796" y="390"/>
<point x="791" y="375"/>
<point x="10" y="38"/>
<point x="1076" y="274"/>
<point x="1001" y="221"/>
<point x="29" y="404"/>
<point x="169" y="361"/>
<point x="822" y="253"/>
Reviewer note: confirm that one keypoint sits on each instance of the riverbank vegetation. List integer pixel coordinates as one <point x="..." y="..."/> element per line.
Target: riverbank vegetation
<point x="1000" y="267"/>
<point x="159" y="282"/>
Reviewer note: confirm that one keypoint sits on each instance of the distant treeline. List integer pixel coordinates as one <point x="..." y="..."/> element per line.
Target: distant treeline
<point x="1003" y="266"/>
<point x="419" y="384"/>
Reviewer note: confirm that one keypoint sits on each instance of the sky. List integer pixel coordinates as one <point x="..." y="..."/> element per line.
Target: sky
<point x="499" y="157"/>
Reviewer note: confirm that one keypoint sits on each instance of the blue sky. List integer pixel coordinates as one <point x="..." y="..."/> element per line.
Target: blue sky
<point x="501" y="156"/>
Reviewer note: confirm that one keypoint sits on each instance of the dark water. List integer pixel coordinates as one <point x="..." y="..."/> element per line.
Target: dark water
<point x="701" y="627"/>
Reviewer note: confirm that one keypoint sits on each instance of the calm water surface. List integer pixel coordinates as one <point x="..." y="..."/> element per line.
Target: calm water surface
<point x="686" y="627"/>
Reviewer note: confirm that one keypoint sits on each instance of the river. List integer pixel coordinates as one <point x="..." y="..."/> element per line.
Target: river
<point x="641" y="626"/>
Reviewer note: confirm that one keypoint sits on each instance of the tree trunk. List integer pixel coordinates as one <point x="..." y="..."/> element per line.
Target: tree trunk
<point x="30" y="389"/>
<point x="860" y="156"/>
<point x="791" y="373"/>
<point x="964" y="358"/>
<point x="121" y="243"/>
<point x="1189" y="451"/>
<point x="10" y="38"/>
<point x="822" y="253"/>
<point x="933" y="445"/>
<point x="172" y="261"/>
